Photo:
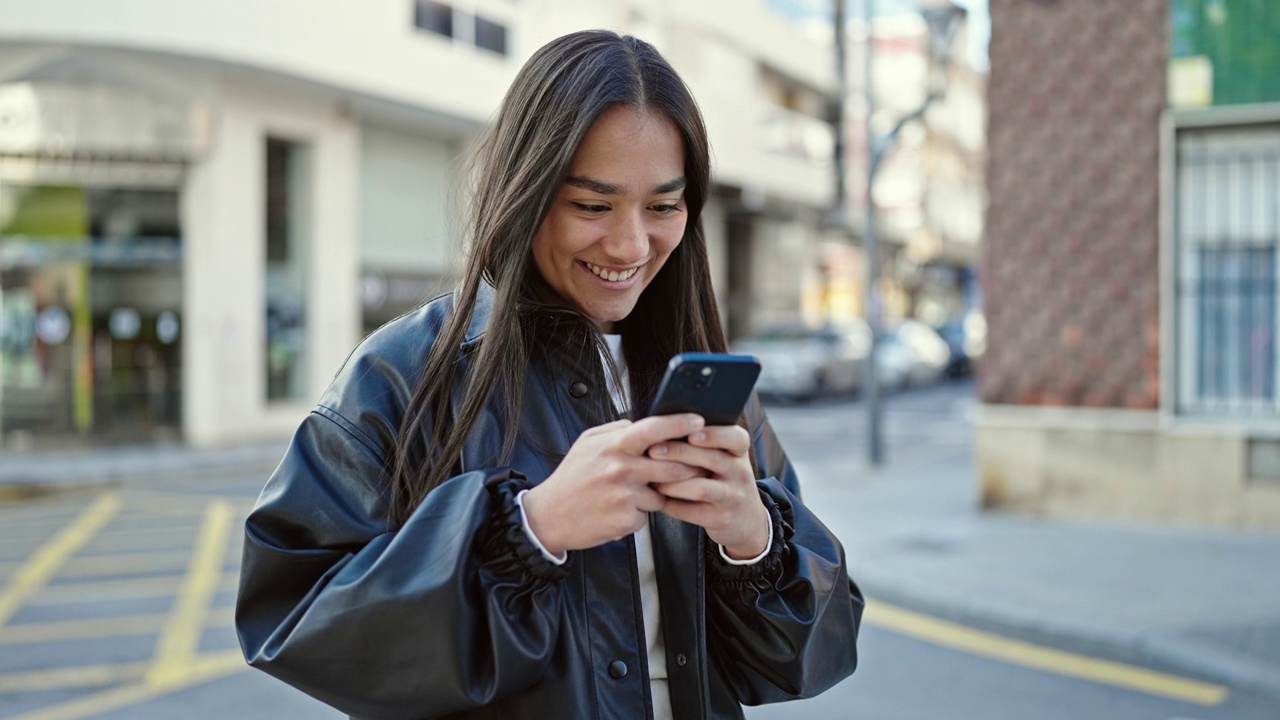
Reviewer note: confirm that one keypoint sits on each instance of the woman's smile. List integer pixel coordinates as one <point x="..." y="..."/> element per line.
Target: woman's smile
<point x="615" y="279"/>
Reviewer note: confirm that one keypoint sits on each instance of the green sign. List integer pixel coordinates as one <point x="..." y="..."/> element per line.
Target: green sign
<point x="1230" y="47"/>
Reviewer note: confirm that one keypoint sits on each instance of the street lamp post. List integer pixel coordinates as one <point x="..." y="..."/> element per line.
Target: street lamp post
<point x="941" y="22"/>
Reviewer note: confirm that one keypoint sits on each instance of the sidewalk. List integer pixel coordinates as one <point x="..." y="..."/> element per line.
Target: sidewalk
<point x="1200" y="603"/>
<point x="44" y="470"/>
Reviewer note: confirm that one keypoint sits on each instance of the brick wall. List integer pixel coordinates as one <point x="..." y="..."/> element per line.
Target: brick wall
<point x="1070" y="269"/>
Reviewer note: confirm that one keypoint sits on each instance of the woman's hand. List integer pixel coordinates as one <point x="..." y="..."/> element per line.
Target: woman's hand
<point x="604" y="487"/>
<point x="722" y="498"/>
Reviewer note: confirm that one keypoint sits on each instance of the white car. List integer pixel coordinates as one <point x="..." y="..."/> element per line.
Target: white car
<point x="801" y="362"/>
<point x="916" y="351"/>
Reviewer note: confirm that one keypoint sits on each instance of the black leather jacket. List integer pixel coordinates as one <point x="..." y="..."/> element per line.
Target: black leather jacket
<point x="457" y="614"/>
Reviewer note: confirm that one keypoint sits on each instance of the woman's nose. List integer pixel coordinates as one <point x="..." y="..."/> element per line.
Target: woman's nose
<point x="628" y="239"/>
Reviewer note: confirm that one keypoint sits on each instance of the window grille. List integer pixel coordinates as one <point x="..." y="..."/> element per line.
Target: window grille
<point x="1227" y="231"/>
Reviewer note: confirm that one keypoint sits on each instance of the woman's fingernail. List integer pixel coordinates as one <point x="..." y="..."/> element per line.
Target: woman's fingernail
<point x="696" y="422"/>
<point x="698" y="437"/>
<point x="658" y="450"/>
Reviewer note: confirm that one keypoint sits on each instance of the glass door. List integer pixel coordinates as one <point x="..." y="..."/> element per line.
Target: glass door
<point x="90" y="313"/>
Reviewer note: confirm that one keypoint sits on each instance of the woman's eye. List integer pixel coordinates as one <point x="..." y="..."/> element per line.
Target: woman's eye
<point x="588" y="208"/>
<point x="666" y="209"/>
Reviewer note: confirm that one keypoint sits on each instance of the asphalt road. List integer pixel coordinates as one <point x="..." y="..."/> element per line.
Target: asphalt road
<point x="118" y="604"/>
<point x="913" y="667"/>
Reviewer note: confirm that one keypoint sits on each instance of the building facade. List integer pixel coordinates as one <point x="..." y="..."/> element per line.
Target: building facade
<point x="1130" y="264"/>
<point x="205" y="205"/>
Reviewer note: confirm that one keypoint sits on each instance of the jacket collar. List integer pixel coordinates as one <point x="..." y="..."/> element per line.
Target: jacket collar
<point x="480" y="316"/>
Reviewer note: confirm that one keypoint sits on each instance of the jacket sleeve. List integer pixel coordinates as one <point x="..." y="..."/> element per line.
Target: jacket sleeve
<point x="787" y="626"/>
<point x="451" y="611"/>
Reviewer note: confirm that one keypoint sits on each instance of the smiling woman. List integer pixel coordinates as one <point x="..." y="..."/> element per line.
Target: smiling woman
<point x="618" y="216"/>
<point x="478" y="521"/>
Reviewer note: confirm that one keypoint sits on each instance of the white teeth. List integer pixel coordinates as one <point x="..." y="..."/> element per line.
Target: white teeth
<point x="611" y="275"/>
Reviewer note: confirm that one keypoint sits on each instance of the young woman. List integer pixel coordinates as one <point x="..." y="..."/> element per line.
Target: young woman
<point x="463" y="527"/>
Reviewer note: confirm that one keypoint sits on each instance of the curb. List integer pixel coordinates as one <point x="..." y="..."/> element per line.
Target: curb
<point x="38" y="474"/>
<point x="1161" y="654"/>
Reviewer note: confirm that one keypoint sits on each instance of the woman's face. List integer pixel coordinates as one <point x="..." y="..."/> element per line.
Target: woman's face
<point x="618" y="216"/>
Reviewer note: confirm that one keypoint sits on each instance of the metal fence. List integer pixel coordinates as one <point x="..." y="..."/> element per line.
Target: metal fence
<point x="1226" y="238"/>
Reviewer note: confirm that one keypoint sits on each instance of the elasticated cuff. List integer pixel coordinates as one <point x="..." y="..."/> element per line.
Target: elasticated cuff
<point x="506" y="549"/>
<point x="769" y="569"/>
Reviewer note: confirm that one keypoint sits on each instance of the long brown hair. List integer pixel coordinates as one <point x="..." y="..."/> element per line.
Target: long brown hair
<point x="518" y="169"/>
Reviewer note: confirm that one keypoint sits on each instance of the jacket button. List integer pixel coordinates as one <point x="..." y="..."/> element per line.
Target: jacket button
<point x="578" y="389"/>
<point x="617" y="669"/>
<point x="681" y="660"/>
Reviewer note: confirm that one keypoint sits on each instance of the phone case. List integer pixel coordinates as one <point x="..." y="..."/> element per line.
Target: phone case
<point x="713" y="385"/>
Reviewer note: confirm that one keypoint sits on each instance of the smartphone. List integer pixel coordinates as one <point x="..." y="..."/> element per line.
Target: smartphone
<point x="713" y="385"/>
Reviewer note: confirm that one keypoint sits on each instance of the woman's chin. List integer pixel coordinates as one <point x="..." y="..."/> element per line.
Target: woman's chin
<point x="606" y="318"/>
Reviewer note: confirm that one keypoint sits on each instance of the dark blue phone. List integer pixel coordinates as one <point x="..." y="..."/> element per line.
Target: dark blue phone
<point x="713" y="385"/>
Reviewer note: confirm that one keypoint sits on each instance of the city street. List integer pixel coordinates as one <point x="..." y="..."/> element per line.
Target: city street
<point x="117" y="603"/>
<point x="913" y="666"/>
<point x="1051" y="230"/>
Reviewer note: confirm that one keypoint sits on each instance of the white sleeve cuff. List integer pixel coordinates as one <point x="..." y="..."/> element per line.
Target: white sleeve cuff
<point x="564" y="557"/>
<point x="767" y="547"/>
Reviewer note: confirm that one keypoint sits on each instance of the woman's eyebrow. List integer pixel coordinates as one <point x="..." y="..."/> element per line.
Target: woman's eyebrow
<point x="671" y="186"/>
<point x="595" y="186"/>
<point x="604" y="188"/>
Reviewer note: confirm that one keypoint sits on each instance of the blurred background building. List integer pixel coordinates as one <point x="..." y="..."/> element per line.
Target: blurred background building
<point x="205" y="205"/>
<point x="930" y="193"/>
<point x="1131" y="261"/>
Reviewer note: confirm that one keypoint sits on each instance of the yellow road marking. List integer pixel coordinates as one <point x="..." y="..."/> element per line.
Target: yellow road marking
<point x="71" y="677"/>
<point x="131" y="525"/>
<point x="41" y="566"/>
<point x="18" y="525"/>
<point x="204" y="669"/>
<point x="977" y="642"/>
<point x="168" y="504"/>
<point x="88" y="591"/>
<point x="178" y="643"/>
<point x="123" y="564"/>
<point x="28" y="633"/>
<point x="149" y="536"/>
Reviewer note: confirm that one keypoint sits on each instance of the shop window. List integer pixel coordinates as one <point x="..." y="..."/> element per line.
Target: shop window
<point x="90" y="300"/>
<point x="288" y="193"/>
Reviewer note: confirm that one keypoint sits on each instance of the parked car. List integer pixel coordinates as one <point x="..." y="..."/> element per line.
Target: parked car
<point x="894" y="361"/>
<point x="966" y="338"/>
<point x="916" y="351"/>
<point x="801" y="362"/>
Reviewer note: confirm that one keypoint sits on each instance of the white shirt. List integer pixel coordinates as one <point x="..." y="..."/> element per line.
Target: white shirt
<point x="649" y="607"/>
